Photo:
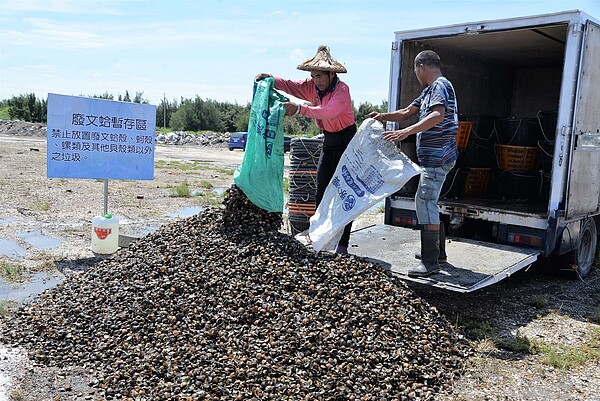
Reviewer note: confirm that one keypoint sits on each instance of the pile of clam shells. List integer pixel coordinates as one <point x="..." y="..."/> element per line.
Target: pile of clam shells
<point x="225" y="306"/>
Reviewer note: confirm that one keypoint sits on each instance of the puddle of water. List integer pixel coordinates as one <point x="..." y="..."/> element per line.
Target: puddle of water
<point x="8" y="220"/>
<point x="11" y="249"/>
<point x="40" y="241"/>
<point x="139" y="233"/>
<point x="25" y="292"/>
<point x="199" y="192"/>
<point x="186" y="211"/>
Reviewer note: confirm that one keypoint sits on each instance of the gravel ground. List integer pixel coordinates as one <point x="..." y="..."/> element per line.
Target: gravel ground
<point x="558" y="314"/>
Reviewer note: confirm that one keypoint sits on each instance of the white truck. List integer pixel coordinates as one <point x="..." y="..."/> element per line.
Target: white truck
<point x="527" y="182"/>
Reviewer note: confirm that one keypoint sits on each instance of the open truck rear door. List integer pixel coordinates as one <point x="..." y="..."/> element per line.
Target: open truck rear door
<point x="472" y="264"/>
<point x="584" y="191"/>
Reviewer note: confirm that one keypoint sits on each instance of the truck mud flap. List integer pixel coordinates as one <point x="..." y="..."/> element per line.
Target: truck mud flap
<point x="471" y="264"/>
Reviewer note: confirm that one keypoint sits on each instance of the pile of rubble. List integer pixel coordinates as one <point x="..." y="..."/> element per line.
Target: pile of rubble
<point x="22" y="128"/>
<point x="183" y="138"/>
<point x="215" y="139"/>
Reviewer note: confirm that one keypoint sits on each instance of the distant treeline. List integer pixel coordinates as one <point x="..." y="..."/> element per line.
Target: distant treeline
<point x="184" y="115"/>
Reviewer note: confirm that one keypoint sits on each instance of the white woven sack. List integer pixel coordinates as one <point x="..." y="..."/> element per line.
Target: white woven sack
<point x="370" y="170"/>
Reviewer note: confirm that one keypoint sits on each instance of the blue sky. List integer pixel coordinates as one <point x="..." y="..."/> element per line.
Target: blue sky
<point x="213" y="49"/>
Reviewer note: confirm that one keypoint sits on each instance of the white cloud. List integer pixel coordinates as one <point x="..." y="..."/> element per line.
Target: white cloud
<point x="97" y="7"/>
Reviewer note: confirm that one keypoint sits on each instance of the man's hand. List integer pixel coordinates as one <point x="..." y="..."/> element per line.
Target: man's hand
<point x="396" y="135"/>
<point x="262" y="75"/>
<point x="376" y="115"/>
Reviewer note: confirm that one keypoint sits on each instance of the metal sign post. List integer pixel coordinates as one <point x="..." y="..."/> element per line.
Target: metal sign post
<point x="105" y="197"/>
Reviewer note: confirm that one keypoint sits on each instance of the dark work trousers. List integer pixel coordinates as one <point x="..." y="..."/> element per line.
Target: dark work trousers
<point x="334" y="144"/>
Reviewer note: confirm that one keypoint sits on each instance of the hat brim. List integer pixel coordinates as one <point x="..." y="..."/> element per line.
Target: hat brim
<point x="315" y="67"/>
<point x="322" y="61"/>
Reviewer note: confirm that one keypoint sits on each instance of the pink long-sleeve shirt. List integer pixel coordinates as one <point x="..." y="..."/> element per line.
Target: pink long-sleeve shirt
<point x="333" y="113"/>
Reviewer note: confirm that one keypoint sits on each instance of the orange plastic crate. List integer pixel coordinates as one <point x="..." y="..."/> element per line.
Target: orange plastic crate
<point x="306" y="209"/>
<point x="477" y="181"/>
<point x="464" y="131"/>
<point x="517" y="157"/>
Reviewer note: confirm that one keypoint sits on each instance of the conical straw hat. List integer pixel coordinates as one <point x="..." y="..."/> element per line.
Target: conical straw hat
<point x="322" y="61"/>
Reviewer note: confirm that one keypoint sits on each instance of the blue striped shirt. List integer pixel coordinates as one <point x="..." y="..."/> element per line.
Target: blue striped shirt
<point x="437" y="145"/>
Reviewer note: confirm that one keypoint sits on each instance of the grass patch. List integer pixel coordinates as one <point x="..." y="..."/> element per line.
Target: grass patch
<point x="519" y="343"/>
<point x="10" y="271"/>
<point x="478" y="329"/>
<point x="485" y="346"/>
<point x="178" y="165"/>
<point x="7" y="307"/>
<point x="47" y="262"/>
<point x="564" y="357"/>
<point x="205" y="184"/>
<point x="39" y="206"/>
<point x="226" y="171"/>
<point x="537" y="301"/>
<point x="191" y="166"/>
<point x="181" y="191"/>
<point x="209" y="199"/>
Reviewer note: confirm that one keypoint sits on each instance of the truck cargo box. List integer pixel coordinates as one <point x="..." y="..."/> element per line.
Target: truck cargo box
<point x="528" y="173"/>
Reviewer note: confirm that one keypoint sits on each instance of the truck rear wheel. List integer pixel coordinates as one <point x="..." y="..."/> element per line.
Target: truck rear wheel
<point x="584" y="254"/>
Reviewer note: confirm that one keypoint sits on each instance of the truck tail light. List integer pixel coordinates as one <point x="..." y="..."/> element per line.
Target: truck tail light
<point x="404" y="221"/>
<point x="523" y="239"/>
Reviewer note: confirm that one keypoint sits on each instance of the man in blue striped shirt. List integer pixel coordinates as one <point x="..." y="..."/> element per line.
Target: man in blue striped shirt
<point x="436" y="150"/>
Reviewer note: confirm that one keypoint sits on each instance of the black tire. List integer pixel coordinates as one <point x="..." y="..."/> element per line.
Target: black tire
<point x="586" y="247"/>
<point x="579" y="262"/>
<point x="231" y="149"/>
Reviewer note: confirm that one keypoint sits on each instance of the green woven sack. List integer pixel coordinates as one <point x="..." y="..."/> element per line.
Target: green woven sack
<point x="260" y="175"/>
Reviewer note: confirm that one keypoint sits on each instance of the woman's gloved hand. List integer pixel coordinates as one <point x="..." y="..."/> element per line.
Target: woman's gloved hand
<point x="262" y="75"/>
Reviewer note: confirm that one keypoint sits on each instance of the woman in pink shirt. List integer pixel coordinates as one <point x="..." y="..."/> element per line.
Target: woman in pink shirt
<point x="331" y="107"/>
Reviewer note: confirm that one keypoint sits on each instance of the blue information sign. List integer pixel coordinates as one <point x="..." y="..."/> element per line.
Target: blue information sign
<point x="100" y="139"/>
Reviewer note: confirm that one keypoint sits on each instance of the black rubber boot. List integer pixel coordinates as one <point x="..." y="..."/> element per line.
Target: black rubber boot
<point x="430" y="252"/>
<point x="443" y="257"/>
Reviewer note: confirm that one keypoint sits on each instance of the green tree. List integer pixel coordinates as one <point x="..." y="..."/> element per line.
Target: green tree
<point x="28" y="108"/>
<point x="164" y="111"/>
<point x="364" y="109"/>
<point x="243" y="119"/>
<point x="184" y="119"/>
<point x="187" y="115"/>
<point x="229" y="116"/>
<point x="307" y="126"/>
<point x="139" y="98"/>
<point x="4" y="115"/>
<point x="208" y="115"/>
<point x="105" y="95"/>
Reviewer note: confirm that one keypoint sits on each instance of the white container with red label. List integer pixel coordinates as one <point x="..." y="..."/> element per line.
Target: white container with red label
<point x="105" y="234"/>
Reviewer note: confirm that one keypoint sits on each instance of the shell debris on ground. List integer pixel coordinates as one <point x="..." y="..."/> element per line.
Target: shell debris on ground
<point x="222" y="305"/>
